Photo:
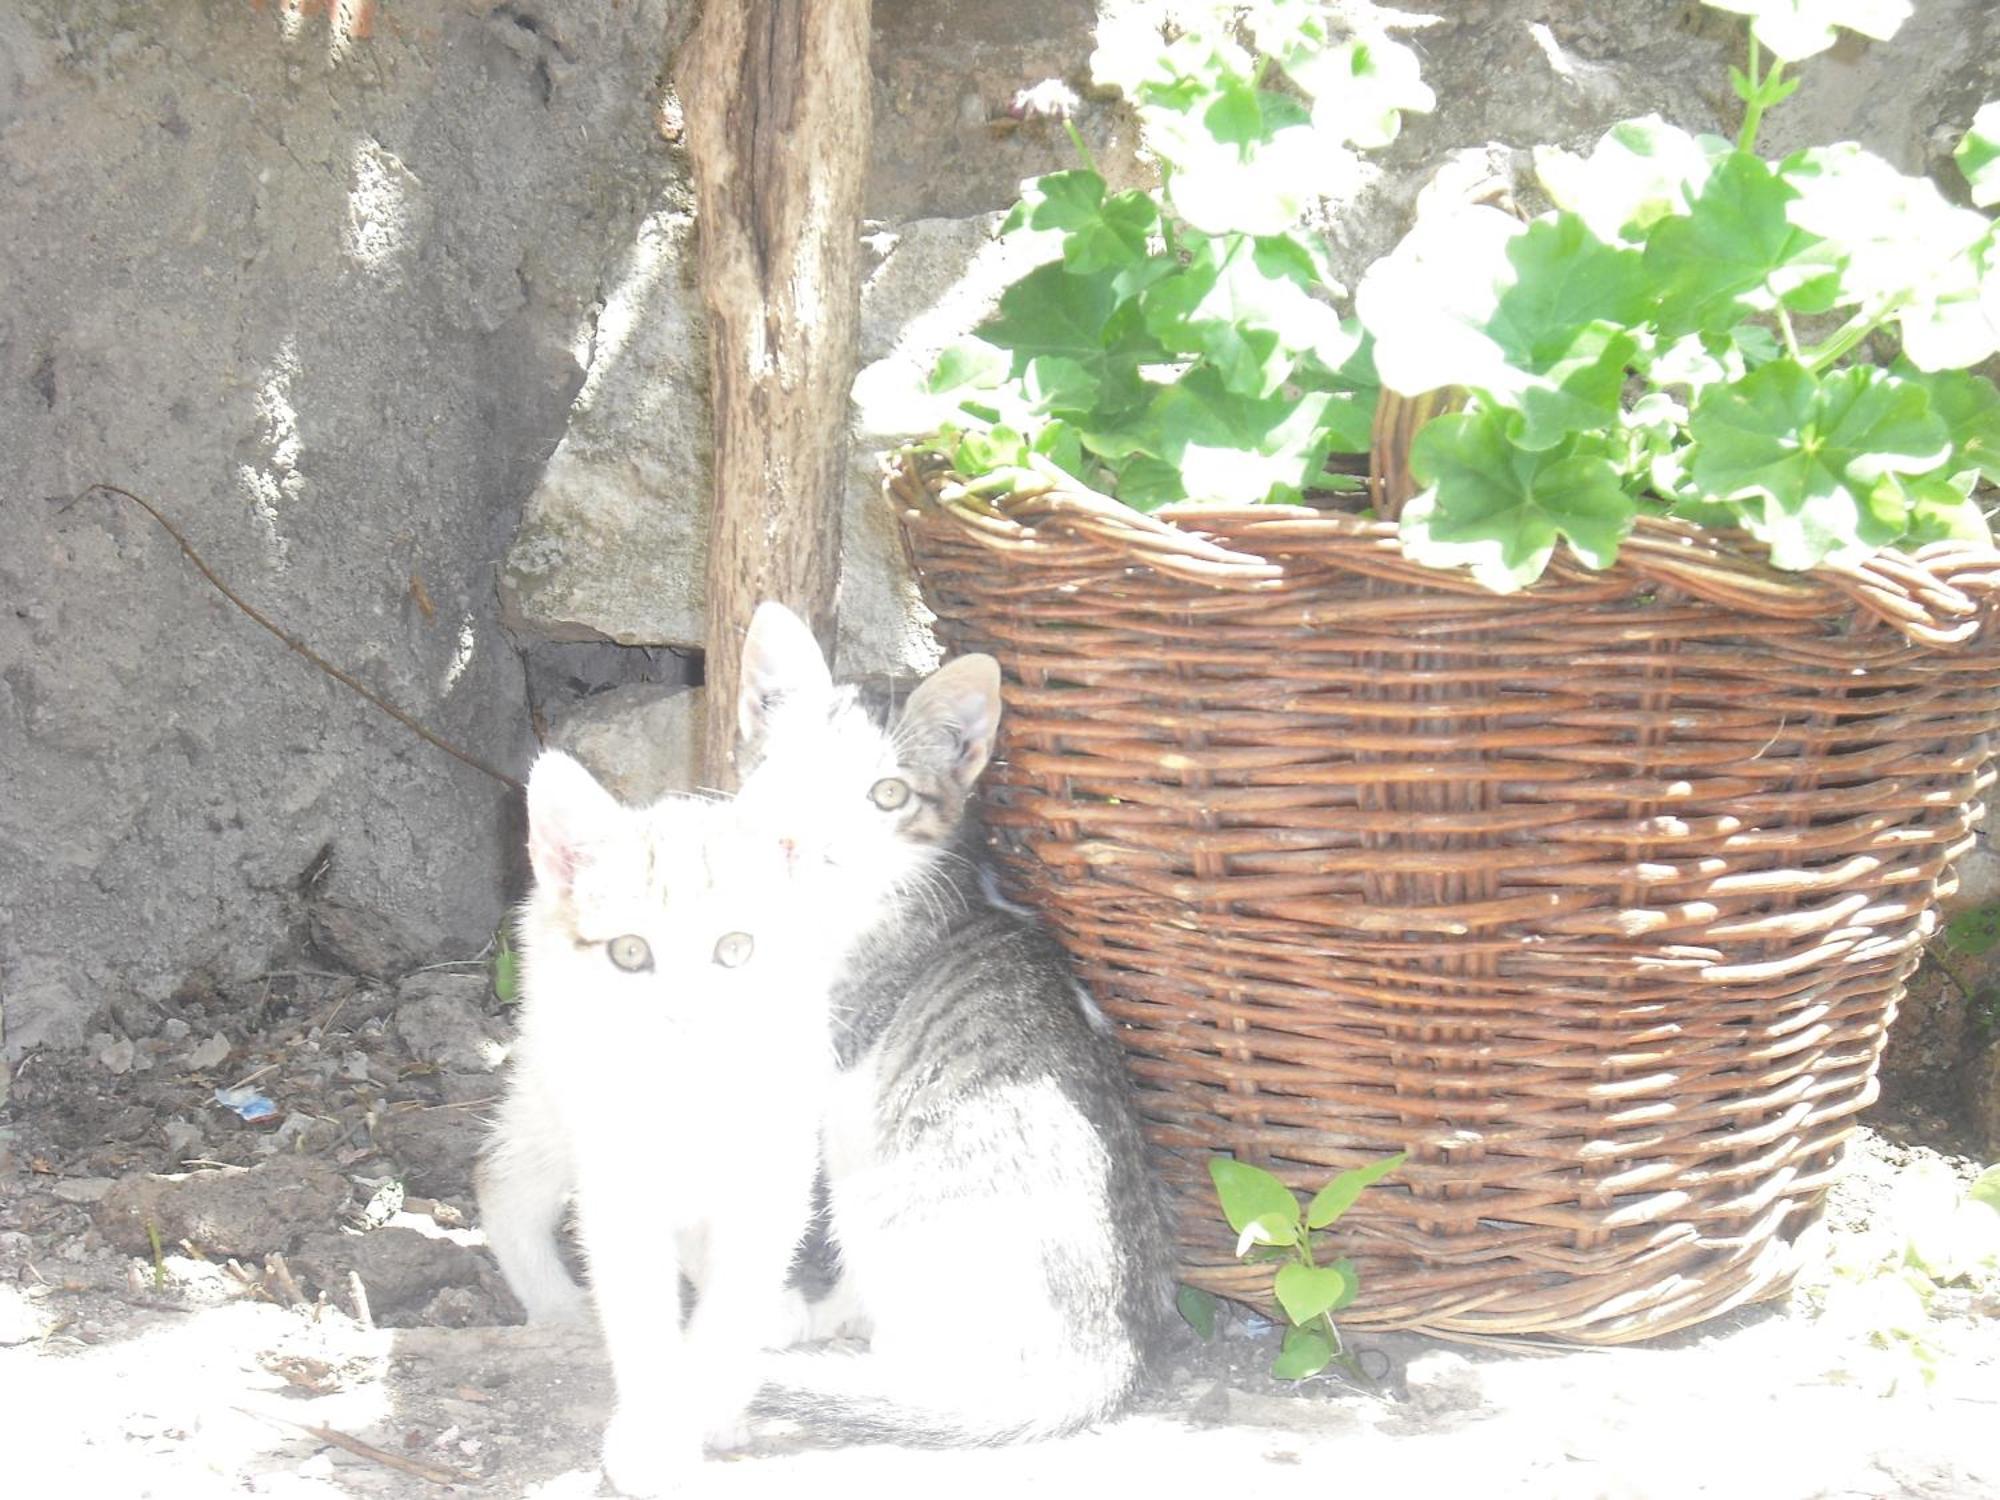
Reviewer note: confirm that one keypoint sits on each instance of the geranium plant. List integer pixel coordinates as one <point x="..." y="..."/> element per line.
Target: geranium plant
<point x="1182" y="343"/>
<point x="1692" y="330"/>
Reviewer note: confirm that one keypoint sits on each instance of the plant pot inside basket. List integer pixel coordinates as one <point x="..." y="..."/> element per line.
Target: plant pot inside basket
<point x="1598" y="899"/>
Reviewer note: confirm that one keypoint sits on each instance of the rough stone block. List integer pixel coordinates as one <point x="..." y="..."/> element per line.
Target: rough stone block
<point x="642" y="741"/>
<point x="228" y="1211"/>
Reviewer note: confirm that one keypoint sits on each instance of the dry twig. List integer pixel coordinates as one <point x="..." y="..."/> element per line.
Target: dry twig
<point x="357" y="1293"/>
<point x="278" y="1271"/>
<point x="343" y="678"/>
<point x="435" y="1473"/>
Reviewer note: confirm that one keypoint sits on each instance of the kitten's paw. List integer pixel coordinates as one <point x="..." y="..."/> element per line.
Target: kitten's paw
<point x="838" y="1315"/>
<point x="840" y="1323"/>
<point x="727" y="1434"/>
<point x="723" y="1405"/>
<point x="560" y="1307"/>
<point x="644" y="1456"/>
<point x="794" y="1322"/>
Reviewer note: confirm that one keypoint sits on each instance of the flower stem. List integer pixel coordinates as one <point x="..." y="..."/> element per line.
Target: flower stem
<point x="1760" y="96"/>
<point x="1076" y="140"/>
<point x="1852" y="332"/>
<point x="1790" y="336"/>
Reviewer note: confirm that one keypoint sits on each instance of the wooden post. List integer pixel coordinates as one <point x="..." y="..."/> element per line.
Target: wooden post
<point x="776" y="98"/>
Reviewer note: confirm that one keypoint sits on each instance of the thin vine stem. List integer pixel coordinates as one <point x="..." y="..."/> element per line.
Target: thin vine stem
<point x="1844" y="339"/>
<point x="345" y="679"/>
<point x="1790" y="334"/>
<point x="1082" y="148"/>
<point x="1757" y="95"/>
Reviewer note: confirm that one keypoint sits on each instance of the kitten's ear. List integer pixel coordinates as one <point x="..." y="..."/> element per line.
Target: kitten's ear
<point x="957" y="705"/>
<point x="569" y="817"/>
<point x="781" y="659"/>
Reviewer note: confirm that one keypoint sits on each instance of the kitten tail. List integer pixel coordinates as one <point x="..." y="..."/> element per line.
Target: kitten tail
<point x="863" y="1398"/>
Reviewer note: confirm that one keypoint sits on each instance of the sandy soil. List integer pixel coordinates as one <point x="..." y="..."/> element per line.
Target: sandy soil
<point x="326" y="1323"/>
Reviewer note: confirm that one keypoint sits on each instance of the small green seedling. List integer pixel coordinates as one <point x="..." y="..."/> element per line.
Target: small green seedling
<point x="159" y="1256"/>
<point x="1270" y="1224"/>
<point x="1198" y="1309"/>
<point x="506" y="971"/>
<point x="1973" y="933"/>
<point x="1878" y="1294"/>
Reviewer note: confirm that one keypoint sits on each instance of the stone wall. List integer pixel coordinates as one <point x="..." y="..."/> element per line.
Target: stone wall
<point x="397" y="319"/>
<point x="317" y="290"/>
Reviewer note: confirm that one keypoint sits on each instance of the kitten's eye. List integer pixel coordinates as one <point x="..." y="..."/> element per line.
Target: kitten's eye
<point x="890" y="793"/>
<point x="733" y="949"/>
<point x="630" y="953"/>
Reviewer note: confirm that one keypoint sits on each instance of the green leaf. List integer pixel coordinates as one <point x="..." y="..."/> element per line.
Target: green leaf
<point x="1249" y="1194"/>
<point x="1533" y="319"/>
<point x="1975" y="932"/>
<point x="1058" y="200"/>
<point x="1130" y="53"/>
<point x="998" y="447"/>
<point x="1223" y="187"/>
<point x="1797" y="29"/>
<point x="1307" y="1291"/>
<point x="1287" y="30"/>
<point x="1940" y="510"/>
<point x="1213" y="311"/>
<point x="1233" y="449"/>
<point x="1428" y="301"/>
<point x="1197" y="1308"/>
<point x="1305" y="1352"/>
<point x="1805" y="455"/>
<point x="1237" y="305"/>
<point x="1118" y="239"/>
<point x="1986" y="1188"/>
<point x="1813" y="292"/>
<point x="1097" y="233"/>
<point x="1235" y="115"/>
<point x="1577" y="390"/>
<point x="1053" y="313"/>
<point x="1656" y="424"/>
<point x="1640" y="172"/>
<point x="1716" y="264"/>
<point x="1697" y="361"/>
<point x="1146" y="483"/>
<point x="1272" y="1231"/>
<point x="1500" y="509"/>
<point x="1978" y="155"/>
<point x="1057" y="384"/>
<point x="1757" y="344"/>
<point x="1361" y="88"/>
<point x="1954" y="321"/>
<point x="1062" y="445"/>
<point x="1339" y="1195"/>
<point x="972" y="364"/>
<point x="1897" y="243"/>
<point x="1565" y="280"/>
<point x="506" y="973"/>
<point x="1969" y="406"/>
<point x="1347" y="422"/>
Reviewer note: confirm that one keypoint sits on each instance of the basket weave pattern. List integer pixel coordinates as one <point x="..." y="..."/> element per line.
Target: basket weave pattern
<point x="1598" y="898"/>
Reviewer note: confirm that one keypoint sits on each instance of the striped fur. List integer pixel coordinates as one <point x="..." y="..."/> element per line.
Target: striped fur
<point x="1002" y="1239"/>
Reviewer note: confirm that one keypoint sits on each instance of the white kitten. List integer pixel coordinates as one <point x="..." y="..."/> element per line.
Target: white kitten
<point x="671" y="1068"/>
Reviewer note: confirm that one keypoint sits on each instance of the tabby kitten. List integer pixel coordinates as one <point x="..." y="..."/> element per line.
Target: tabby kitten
<point x="1002" y="1240"/>
<point x="671" y="1069"/>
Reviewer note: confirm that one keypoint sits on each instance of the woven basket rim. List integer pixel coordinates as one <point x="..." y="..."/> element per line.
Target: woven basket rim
<point x="1940" y="594"/>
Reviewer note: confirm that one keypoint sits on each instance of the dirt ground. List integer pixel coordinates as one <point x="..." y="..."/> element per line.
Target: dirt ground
<point x="325" y="1322"/>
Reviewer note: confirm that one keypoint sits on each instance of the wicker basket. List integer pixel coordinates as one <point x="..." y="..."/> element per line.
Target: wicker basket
<point x="1598" y="898"/>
